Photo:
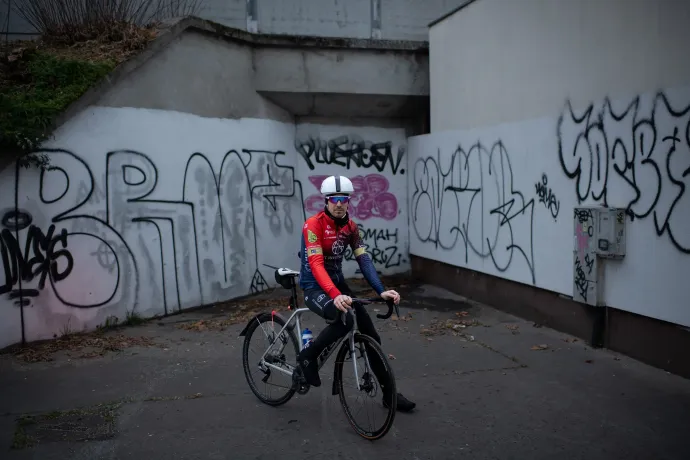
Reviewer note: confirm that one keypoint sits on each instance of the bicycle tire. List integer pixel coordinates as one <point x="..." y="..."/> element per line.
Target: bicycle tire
<point x="339" y="362"/>
<point x="266" y="317"/>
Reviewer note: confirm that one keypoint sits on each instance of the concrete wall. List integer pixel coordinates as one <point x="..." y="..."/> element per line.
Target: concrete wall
<point x="523" y="59"/>
<point x="556" y="105"/>
<point x="153" y="211"/>
<point x="198" y="74"/>
<point x="383" y="19"/>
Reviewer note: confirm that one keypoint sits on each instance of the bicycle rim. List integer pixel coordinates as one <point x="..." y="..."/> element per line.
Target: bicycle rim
<point x="268" y="327"/>
<point x="343" y="362"/>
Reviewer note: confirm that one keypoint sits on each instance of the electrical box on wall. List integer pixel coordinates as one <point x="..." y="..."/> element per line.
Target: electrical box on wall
<point x="586" y="266"/>
<point x="611" y="233"/>
<point x="599" y="233"/>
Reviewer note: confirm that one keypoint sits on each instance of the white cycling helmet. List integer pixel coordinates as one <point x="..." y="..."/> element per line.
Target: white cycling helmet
<point x="337" y="185"/>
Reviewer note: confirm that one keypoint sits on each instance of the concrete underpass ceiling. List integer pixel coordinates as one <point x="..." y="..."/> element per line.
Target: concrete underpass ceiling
<point x="341" y="105"/>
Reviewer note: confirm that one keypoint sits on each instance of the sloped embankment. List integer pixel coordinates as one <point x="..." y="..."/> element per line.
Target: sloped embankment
<point x="40" y="79"/>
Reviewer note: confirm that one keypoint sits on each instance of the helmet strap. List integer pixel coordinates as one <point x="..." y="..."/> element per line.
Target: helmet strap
<point x="340" y="222"/>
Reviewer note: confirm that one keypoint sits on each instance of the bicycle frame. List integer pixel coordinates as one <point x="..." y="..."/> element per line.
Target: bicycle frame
<point x="325" y="354"/>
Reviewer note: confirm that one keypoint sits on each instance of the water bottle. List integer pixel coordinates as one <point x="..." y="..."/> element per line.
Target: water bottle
<point x="306" y="337"/>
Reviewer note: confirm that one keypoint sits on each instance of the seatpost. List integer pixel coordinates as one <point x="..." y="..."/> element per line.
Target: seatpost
<point x="293" y="300"/>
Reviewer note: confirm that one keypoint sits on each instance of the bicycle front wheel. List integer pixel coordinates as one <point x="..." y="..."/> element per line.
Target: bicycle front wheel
<point x="363" y="385"/>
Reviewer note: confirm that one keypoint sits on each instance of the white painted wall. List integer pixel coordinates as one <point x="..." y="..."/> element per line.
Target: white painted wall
<point x="496" y="217"/>
<point x="154" y="211"/>
<point x="528" y="62"/>
<point x="496" y="61"/>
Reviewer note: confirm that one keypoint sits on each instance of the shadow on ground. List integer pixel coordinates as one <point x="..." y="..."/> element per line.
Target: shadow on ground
<point x="488" y="385"/>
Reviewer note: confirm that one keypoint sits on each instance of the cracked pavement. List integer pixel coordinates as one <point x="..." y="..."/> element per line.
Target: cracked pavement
<point x="487" y="386"/>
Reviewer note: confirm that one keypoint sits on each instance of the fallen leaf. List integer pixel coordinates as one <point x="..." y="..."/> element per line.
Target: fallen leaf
<point x="390" y="356"/>
<point x="542" y="346"/>
<point x="589" y="361"/>
<point x="92" y="345"/>
<point x="461" y="313"/>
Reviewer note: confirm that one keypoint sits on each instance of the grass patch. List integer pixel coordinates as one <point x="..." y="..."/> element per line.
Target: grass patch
<point x="40" y="79"/>
<point x="38" y="88"/>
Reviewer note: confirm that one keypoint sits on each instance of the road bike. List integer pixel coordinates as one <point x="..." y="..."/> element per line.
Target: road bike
<point x="352" y="342"/>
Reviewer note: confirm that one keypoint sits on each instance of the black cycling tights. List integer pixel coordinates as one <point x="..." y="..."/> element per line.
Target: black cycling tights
<point x="321" y="304"/>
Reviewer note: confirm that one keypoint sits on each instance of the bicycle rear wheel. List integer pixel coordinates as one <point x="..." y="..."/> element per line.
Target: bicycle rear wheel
<point x="267" y="327"/>
<point x="364" y="347"/>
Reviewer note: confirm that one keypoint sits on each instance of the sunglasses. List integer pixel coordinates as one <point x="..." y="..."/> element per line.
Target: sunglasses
<point x="339" y="199"/>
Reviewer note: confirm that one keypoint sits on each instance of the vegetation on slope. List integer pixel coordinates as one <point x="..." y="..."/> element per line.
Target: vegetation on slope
<point x="81" y="42"/>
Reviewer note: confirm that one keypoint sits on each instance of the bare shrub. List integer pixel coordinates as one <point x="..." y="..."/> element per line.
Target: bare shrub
<point x="87" y="19"/>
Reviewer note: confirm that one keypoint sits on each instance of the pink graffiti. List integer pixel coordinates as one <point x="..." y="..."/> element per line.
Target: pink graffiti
<point x="371" y="198"/>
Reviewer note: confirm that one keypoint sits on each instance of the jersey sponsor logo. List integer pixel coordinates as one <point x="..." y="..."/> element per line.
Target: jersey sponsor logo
<point x="314" y="251"/>
<point x="338" y="247"/>
<point x="311" y="237"/>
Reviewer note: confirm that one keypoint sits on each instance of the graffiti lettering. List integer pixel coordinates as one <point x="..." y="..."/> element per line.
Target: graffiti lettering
<point x="385" y="256"/>
<point x="371" y="198"/>
<point x="583" y="215"/>
<point x="632" y="160"/>
<point x="581" y="281"/>
<point x="546" y="196"/>
<point x="473" y="200"/>
<point x="39" y="258"/>
<point x="350" y="151"/>
<point x="585" y="256"/>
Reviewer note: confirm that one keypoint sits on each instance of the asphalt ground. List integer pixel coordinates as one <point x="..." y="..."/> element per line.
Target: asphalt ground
<point x="487" y="386"/>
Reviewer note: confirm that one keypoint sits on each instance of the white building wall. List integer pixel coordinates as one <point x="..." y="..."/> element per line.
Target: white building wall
<point x="494" y="186"/>
<point x="500" y="60"/>
<point x="153" y="211"/>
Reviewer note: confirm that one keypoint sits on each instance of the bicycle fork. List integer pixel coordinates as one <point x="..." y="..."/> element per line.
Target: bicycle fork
<point x="353" y="351"/>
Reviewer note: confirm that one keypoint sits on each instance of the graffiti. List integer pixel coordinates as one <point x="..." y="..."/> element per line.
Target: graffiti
<point x="581" y="281"/>
<point x="386" y="255"/>
<point x="632" y="160"/>
<point x="250" y="184"/>
<point x="473" y="200"/>
<point x="371" y="198"/>
<point x="585" y="256"/>
<point x="546" y="196"/>
<point x="350" y="151"/>
<point x="203" y="240"/>
<point x="38" y="259"/>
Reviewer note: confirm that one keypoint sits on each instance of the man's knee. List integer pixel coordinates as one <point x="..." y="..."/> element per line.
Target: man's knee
<point x="344" y="321"/>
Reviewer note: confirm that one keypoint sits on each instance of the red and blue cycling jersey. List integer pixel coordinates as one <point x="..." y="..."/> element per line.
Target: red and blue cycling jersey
<point x="323" y="249"/>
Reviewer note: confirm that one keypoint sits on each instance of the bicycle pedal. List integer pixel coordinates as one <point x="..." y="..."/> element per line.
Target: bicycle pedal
<point x="303" y="389"/>
<point x="299" y="384"/>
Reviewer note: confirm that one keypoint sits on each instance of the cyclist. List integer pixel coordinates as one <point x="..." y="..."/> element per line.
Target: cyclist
<point x="324" y="238"/>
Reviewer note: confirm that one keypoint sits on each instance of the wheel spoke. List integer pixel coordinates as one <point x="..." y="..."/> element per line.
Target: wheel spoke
<point x="276" y="350"/>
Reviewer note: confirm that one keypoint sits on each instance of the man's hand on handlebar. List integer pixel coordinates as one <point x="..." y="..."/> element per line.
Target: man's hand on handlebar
<point x="392" y="295"/>
<point x="342" y="302"/>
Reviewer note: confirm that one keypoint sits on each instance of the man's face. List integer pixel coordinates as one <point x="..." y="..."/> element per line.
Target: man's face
<point x="337" y="205"/>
